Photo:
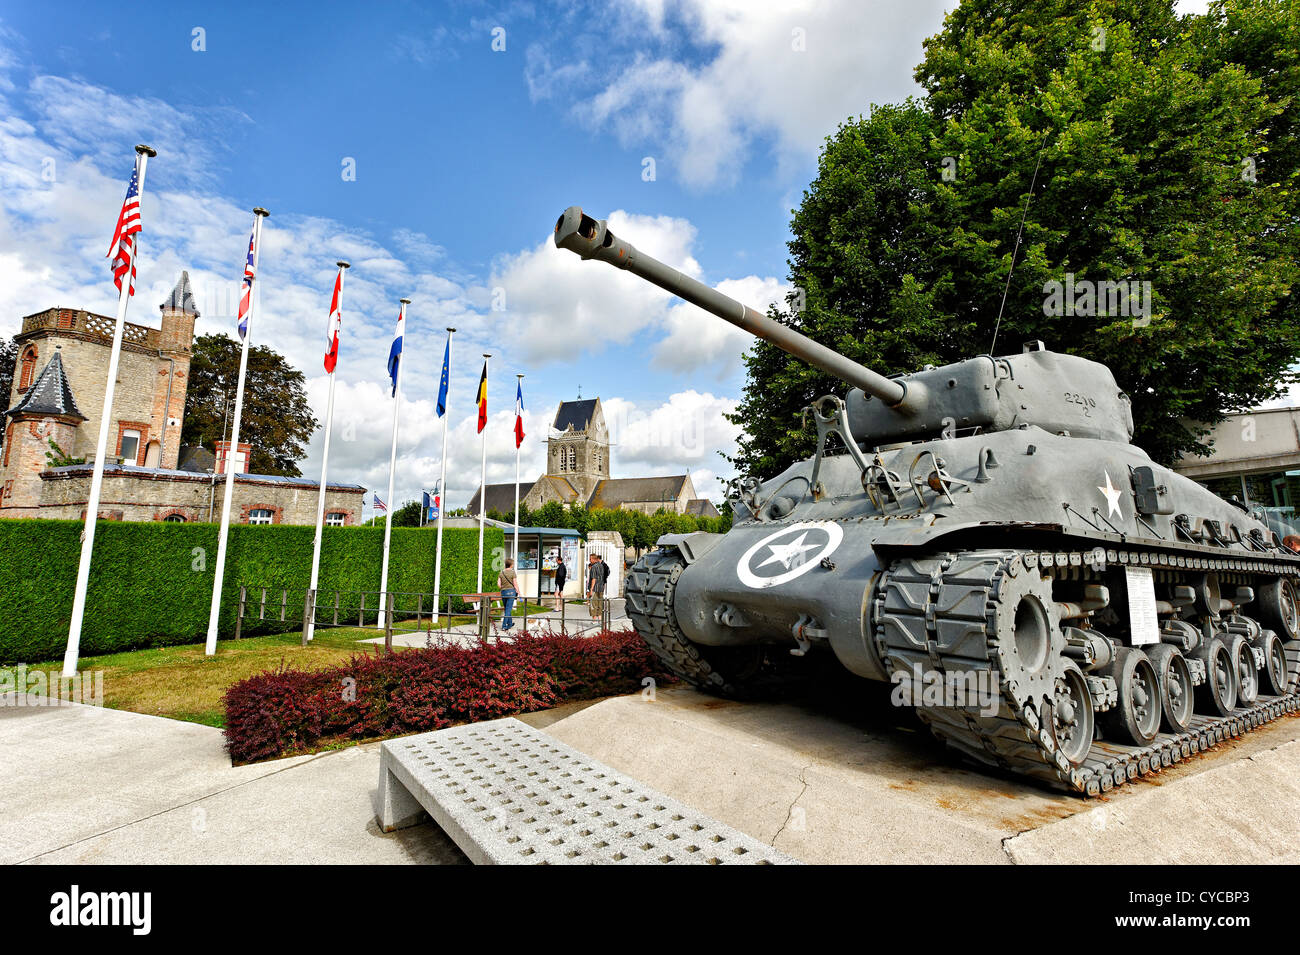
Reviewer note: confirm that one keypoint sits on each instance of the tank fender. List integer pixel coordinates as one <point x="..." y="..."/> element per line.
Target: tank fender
<point x="691" y="546"/>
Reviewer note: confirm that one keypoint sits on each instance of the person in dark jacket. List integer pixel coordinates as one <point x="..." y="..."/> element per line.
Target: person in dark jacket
<point x="561" y="577"/>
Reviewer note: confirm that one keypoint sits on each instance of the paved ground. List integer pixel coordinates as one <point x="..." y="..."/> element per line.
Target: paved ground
<point x="88" y="785"/>
<point x="83" y="784"/>
<point x="876" y="787"/>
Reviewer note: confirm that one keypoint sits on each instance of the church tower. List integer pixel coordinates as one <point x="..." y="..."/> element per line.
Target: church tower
<point x="578" y="447"/>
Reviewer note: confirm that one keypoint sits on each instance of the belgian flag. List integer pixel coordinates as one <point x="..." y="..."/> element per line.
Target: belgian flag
<point x="482" y="399"/>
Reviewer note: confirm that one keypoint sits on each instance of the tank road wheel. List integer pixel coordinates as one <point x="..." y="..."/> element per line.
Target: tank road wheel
<point x="1217" y="696"/>
<point x="649" y="592"/>
<point x="1243" y="657"/>
<point x="1278" y="608"/>
<point x="1176" y="690"/>
<point x="1135" y="718"/>
<point x="1072" y="715"/>
<point x="1274" y="676"/>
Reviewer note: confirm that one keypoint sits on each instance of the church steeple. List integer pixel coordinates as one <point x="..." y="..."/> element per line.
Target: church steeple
<point x="578" y="447"/>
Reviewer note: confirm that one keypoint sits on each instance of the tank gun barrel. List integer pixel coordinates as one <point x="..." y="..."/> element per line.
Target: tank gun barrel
<point x="591" y="239"/>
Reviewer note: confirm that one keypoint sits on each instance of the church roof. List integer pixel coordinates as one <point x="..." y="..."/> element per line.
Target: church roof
<point x="181" y="299"/>
<point x="701" y="507"/>
<point x="611" y="493"/>
<point x="50" y="394"/>
<point x="501" y="497"/>
<point x="575" y="413"/>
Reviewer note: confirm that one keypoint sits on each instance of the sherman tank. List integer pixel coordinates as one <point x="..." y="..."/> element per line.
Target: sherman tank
<point x="986" y="537"/>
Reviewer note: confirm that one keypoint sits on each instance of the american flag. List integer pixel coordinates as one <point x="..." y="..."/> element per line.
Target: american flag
<point x="380" y="505"/>
<point x="122" y="251"/>
<point x="246" y="290"/>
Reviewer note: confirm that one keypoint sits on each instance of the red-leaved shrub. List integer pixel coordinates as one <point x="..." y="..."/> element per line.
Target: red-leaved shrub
<point x="285" y="711"/>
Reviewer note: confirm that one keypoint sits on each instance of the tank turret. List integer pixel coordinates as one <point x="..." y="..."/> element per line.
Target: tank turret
<point x="1063" y="394"/>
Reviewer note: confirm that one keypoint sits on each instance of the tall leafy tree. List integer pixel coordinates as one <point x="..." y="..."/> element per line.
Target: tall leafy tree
<point x="277" y="421"/>
<point x="1160" y="149"/>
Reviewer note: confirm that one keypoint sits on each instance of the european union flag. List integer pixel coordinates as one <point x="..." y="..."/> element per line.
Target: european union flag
<point x="442" y="388"/>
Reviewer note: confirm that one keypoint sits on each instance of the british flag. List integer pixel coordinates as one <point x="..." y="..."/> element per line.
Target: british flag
<point x="246" y="288"/>
<point x="122" y="251"/>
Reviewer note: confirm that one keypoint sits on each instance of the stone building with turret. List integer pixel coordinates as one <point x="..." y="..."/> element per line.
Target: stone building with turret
<point x="578" y="472"/>
<point x="51" y="430"/>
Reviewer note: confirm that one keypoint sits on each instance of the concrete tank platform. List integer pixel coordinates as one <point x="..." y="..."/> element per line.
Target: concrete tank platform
<point x="874" y="787"/>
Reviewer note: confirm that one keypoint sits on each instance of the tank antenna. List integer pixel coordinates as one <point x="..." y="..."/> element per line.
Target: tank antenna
<point x="1019" y="232"/>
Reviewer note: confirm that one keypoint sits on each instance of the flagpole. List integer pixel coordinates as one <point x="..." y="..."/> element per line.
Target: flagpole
<point x="392" y="473"/>
<point x="482" y="483"/>
<point x="310" y="623"/>
<point x="97" y="474"/>
<point x="519" y="385"/>
<point x="232" y="449"/>
<point x="442" y="505"/>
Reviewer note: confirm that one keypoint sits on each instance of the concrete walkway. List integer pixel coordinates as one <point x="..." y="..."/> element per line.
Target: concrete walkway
<point x="83" y="784"/>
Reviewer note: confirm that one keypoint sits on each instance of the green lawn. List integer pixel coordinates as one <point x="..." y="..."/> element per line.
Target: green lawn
<point x="183" y="683"/>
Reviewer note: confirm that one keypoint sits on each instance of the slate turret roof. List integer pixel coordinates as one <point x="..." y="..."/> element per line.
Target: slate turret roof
<point x="50" y="394"/>
<point x="181" y="299"/>
<point x="574" y="413"/>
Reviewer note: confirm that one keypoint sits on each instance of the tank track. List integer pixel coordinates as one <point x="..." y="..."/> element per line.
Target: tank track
<point x="648" y="590"/>
<point x="940" y="613"/>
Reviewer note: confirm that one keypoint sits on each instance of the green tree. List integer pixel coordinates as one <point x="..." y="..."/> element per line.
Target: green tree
<point x="8" y="360"/>
<point x="276" y="422"/>
<point x="1162" y="150"/>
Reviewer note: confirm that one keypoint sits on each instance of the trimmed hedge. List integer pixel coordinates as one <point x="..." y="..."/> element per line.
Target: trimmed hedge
<point x="151" y="582"/>
<point x="287" y="711"/>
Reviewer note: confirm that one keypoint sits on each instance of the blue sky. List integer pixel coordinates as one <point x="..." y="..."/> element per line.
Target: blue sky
<point x="464" y="157"/>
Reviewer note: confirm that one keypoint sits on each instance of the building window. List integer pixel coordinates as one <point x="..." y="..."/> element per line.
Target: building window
<point x="130" y="448"/>
<point x="261" y="515"/>
<point x="175" y="518"/>
<point x="28" y="369"/>
<point x="573" y="459"/>
<point x="336" y="519"/>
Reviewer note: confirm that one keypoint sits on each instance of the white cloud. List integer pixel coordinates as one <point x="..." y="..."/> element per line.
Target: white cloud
<point x="697" y="341"/>
<point x="733" y="72"/>
<point x="560" y="306"/>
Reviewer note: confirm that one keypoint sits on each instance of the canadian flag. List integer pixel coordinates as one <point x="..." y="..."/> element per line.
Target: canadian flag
<point x="335" y="325"/>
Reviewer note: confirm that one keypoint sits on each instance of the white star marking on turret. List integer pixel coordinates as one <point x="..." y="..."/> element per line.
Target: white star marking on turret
<point x="1112" y="495"/>
<point x="785" y="554"/>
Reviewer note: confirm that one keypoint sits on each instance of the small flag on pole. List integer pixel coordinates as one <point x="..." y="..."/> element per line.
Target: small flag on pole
<point x="380" y="505"/>
<point x="122" y="250"/>
<point x="446" y="372"/>
<point x="335" y="325"/>
<point x="519" y="413"/>
<point x="481" y="401"/>
<point x="395" y="352"/>
<point x="246" y="287"/>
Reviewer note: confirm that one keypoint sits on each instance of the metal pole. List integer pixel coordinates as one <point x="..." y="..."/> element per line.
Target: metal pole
<point x="482" y="481"/>
<point x="97" y="474"/>
<point x="388" y="608"/>
<point x="442" y="506"/>
<point x="324" y="465"/>
<point x="392" y="455"/>
<point x="232" y="449"/>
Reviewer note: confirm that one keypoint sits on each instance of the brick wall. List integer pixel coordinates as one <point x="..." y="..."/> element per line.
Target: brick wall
<point x="142" y="496"/>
